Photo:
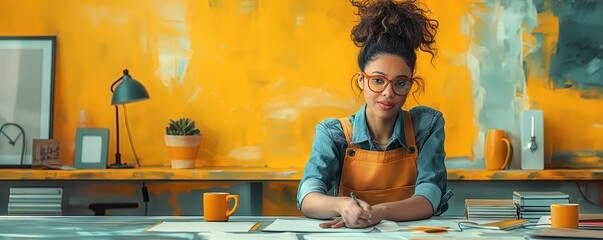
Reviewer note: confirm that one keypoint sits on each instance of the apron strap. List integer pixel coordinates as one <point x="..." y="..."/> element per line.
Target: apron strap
<point x="409" y="131"/>
<point x="346" y="125"/>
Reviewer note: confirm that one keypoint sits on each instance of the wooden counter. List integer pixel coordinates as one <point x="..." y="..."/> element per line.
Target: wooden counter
<point x="158" y="173"/>
<point x="276" y="174"/>
<point x="525" y="175"/>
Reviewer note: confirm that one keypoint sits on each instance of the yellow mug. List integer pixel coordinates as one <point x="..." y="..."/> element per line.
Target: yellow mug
<point x="216" y="206"/>
<point x="498" y="149"/>
<point x="565" y="215"/>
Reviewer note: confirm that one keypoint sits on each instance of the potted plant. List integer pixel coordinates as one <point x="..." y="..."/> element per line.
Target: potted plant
<point x="183" y="141"/>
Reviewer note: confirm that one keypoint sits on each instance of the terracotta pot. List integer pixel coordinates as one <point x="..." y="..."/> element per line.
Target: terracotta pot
<point x="183" y="150"/>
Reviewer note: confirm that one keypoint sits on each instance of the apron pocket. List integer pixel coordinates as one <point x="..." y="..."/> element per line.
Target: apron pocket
<point x="380" y="196"/>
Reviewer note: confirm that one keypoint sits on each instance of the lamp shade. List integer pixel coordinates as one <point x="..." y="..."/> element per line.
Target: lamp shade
<point x="128" y="90"/>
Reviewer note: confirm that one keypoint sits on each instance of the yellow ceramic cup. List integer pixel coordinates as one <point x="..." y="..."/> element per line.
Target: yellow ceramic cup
<point x="216" y="206"/>
<point x="498" y="149"/>
<point x="565" y="215"/>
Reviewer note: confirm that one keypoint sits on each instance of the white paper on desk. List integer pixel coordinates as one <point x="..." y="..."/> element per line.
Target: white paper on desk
<point x="252" y="236"/>
<point x="353" y="236"/>
<point x="464" y="235"/>
<point x="388" y="226"/>
<point x="545" y="221"/>
<point x="307" y="225"/>
<point x="202" y="227"/>
<point x="449" y="223"/>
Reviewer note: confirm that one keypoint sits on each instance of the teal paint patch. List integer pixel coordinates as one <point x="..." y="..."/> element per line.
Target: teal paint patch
<point x="182" y="65"/>
<point x="535" y="59"/>
<point x="499" y="176"/>
<point x="499" y="48"/>
<point x="464" y="163"/>
<point x="498" y="65"/>
<point x="578" y="62"/>
<point x="163" y="201"/>
<point x="586" y="159"/>
<point x="173" y="44"/>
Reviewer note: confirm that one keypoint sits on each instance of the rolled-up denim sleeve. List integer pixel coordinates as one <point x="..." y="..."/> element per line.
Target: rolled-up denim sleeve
<point x="322" y="167"/>
<point x="432" y="177"/>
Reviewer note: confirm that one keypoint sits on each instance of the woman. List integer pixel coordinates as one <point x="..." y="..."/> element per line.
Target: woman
<point x="382" y="162"/>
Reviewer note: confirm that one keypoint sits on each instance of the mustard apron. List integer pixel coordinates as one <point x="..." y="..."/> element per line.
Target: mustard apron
<point x="379" y="176"/>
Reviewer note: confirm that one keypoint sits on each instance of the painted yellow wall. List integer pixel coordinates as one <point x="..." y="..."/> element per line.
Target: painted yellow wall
<point x="256" y="75"/>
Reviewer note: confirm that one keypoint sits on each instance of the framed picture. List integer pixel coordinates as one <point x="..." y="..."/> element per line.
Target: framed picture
<point x="45" y="152"/>
<point x="27" y="67"/>
<point x="91" y="147"/>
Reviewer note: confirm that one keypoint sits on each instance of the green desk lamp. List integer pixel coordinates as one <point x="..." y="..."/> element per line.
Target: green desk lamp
<point x="128" y="91"/>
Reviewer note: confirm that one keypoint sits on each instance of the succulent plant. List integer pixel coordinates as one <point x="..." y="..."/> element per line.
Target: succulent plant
<point x="183" y="127"/>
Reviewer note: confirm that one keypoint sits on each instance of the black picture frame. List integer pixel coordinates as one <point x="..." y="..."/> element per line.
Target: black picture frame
<point x="91" y="148"/>
<point x="27" y="77"/>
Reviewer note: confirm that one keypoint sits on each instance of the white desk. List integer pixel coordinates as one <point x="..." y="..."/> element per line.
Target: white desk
<point x="131" y="227"/>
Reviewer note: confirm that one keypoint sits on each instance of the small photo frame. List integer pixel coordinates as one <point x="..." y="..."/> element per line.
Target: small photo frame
<point x="91" y="148"/>
<point x="45" y="152"/>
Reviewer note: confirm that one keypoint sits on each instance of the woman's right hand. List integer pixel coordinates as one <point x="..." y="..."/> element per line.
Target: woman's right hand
<point x="352" y="215"/>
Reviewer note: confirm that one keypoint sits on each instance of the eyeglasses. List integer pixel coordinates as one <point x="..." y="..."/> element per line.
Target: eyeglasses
<point x="378" y="84"/>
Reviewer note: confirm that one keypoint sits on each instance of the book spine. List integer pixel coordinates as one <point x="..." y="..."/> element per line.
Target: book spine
<point x="35" y="191"/>
<point x="31" y="205"/>
<point x="34" y="196"/>
<point x="542" y="202"/>
<point x="36" y="212"/>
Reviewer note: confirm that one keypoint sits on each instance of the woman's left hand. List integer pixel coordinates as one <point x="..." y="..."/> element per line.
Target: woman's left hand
<point x="339" y="223"/>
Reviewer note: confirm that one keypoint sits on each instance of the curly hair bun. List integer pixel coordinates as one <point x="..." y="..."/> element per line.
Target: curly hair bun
<point x="403" y="23"/>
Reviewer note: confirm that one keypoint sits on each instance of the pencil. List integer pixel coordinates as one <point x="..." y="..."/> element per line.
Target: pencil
<point x="357" y="203"/>
<point x="355" y="198"/>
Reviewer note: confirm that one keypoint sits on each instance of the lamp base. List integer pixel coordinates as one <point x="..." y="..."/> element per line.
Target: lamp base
<point x="119" y="165"/>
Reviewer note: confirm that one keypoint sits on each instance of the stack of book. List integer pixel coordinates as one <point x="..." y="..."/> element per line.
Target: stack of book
<point x="592" y="221"/>
<point x="490" y="209"/>
<point x="533" y="205"/>
<point x="35" y="201"/>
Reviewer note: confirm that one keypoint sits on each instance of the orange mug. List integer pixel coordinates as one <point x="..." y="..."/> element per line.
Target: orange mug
<point x="216" y="206"/>
<point x="498" y="149"/>
<point x="565" y="215"/>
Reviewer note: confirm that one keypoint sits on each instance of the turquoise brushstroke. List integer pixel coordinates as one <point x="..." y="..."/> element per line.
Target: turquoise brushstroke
<point x="498" y="68"/>
<point x="578" y="62"/>
<point x="182" y="64"/>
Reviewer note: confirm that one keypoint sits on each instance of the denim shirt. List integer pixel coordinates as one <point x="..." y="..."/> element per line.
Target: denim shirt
<point x="323" y="170"/>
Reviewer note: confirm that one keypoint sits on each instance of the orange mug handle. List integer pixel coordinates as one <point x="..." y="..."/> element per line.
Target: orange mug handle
<point x="508" y="153"/>
<point x="236" y="204"/>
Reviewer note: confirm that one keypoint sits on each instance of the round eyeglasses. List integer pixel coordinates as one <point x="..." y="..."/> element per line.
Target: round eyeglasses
<point x="378" y="83"/>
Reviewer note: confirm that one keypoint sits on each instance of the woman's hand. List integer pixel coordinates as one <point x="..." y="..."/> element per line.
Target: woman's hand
<point x="352" y="215"/>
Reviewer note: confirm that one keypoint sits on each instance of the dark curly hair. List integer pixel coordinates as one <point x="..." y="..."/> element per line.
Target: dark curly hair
<point x="396" y="28"/>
